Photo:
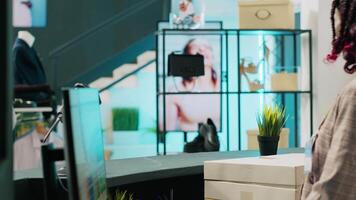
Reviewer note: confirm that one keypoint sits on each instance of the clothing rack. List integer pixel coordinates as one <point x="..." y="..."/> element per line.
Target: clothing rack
<point x="33" y="110"/>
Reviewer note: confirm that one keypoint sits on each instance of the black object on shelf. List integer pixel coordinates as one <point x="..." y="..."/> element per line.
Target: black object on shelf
<point x="185" y="65"/>
<point x="206" y="141"/>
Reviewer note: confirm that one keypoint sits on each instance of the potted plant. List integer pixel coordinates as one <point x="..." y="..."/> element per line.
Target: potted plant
<point x="123" y="196"/>
<point x="270" y="123"/>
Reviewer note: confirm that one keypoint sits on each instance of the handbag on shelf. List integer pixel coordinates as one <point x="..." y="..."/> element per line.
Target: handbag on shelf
<point x="183" y="65"/>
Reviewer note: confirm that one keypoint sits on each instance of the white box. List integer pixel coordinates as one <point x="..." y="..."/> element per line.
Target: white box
<point x="252" y="142"/>
<point x="266" y="14"/>
<point x="279" y="177"/>
<point x="285" y="170"/>
<point x="221" y="190"/>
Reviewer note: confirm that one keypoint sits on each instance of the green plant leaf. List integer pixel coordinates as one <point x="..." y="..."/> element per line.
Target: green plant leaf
<point x="123" y="196"/>
<point x="271" y="120"/>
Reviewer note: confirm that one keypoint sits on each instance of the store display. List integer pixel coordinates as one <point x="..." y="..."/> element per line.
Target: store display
<point x="188" y="14"/>
<point x="251" y="69"/>
<point x="266" y="14"/>
<point x="272" y="177"/>
<point x="270" y="122"/>
<point x="284" y="81"/>
<point x="260" y="53"/>
<point x="252" y="143"/>
<point x="195" y="75"/>
<point x="254" y="85"/>
<point x="206" y="141"/>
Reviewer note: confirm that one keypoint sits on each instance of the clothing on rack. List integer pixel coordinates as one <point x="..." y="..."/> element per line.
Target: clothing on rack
<point x="27" y="150"/>
<point x="28" y="67"/>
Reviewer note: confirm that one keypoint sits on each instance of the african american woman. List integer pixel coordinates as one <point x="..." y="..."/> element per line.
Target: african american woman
<point x="333" y="170"/>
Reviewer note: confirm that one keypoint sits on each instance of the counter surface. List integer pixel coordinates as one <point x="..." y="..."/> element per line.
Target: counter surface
<point x="129" y="171"/>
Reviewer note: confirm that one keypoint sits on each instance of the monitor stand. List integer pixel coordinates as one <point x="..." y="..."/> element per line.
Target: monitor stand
<point x="62" y="172"/>
<point x="50" y="155"/>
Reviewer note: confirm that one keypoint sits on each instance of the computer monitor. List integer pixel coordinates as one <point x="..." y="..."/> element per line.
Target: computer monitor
<point x="84" y="148"/>
<point x="6" y="88"/>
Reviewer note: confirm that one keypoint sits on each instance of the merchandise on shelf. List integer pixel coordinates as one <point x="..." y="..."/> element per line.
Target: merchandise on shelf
<point x="266" y="14"/>
<point x="284" y="81"/>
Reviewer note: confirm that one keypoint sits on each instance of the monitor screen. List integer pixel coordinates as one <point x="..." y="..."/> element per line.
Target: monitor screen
<point x="84" y="150"/>
<point x="6" y="88"/>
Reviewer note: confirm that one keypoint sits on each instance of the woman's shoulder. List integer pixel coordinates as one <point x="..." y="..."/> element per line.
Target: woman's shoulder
<point x="350" y="89"/>
<point x="346" y="99"/>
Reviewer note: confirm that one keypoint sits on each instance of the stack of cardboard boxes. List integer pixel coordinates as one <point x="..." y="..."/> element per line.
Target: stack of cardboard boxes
<point x="277" y="177"/>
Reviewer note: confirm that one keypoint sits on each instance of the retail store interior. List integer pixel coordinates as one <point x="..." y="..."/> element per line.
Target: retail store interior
<point x="175" y="99"/>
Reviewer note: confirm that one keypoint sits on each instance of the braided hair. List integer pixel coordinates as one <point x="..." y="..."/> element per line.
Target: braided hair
<point x="345" y="41"/>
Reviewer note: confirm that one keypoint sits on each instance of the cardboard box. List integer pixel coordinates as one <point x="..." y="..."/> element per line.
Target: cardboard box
<point x="266" y="14"/>
<point x="276" y="177"/>
<point x="284" y="170"/>
<point x="220" y="190"/>
<point x="252" y="142"/>
<point x="284" y="82"/>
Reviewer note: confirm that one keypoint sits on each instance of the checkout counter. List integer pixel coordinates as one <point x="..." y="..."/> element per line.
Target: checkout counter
<point x="173" y="176"/>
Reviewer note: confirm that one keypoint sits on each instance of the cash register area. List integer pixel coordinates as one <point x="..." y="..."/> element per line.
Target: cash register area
<point x="165" y="99"/>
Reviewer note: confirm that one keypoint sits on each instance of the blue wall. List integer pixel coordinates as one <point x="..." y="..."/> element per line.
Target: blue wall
<point x="39" y="13"/>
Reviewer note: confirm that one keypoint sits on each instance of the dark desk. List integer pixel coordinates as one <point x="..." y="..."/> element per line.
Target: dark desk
<point x="148" y="173"/>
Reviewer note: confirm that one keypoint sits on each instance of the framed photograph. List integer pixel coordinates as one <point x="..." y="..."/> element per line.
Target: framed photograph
<point x="192" y="100"/>
<point x="188" y="13"/>
<point x="29" y="13"/>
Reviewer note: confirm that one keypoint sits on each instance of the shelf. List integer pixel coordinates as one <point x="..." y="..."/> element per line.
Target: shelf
<point x="194" y="93"/>
<point x="232" y="32"/>
<point x="276" y="92"/>
<point x="285" y="49"/>
<point x="272" y="32"/>
<point x="242" y="92"/>
<point x="33" y="110"/>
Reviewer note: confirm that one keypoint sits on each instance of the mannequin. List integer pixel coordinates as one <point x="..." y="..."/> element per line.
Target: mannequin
<point x="28" y="67"/>
<point x="27" y="37"/>
<point x="30" y="72"/>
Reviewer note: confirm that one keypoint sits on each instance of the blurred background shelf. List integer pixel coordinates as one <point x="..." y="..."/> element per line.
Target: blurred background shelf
<point x="257" y="67"/>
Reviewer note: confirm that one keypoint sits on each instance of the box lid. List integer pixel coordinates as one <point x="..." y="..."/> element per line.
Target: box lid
<point x="263" y="2"/>
<point x="240" y="191"/>
<point x="284" y="170"/>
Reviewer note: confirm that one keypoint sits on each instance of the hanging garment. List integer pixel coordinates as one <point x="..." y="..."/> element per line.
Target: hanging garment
<point x="27" y="150"/>
<point x="28" y="67"/>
